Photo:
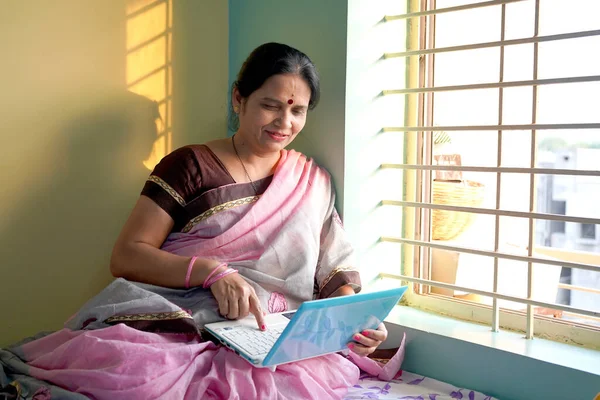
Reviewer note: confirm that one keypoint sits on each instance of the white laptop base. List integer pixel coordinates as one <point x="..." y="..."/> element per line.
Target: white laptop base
<point x="244" y="337"/>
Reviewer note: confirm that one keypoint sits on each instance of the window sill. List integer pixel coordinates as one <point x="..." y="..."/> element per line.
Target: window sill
<point x="586" y="241"/>
<point x="547" y="351"/>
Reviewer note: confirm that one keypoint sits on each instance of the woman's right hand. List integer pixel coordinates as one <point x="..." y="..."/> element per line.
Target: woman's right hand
<point x="237" y="299"/>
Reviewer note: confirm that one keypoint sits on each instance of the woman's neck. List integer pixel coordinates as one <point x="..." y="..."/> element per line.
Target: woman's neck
<point x="261" y="163"/>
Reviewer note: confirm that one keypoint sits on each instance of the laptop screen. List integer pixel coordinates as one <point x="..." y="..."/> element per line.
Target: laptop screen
<point x="326" y="326"/>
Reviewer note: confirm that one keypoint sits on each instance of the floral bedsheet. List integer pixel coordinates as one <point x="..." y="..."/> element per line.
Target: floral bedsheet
<point x="410" y="387"/>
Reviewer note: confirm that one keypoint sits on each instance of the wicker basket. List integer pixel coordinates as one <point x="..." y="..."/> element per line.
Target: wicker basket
<point x="447" y="225"/>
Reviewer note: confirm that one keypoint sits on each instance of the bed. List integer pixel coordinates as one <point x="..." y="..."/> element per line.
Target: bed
<point x="15" y="384"/>
<point x="409" y="386"/>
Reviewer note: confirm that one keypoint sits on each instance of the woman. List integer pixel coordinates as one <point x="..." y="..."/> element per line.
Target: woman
<point x="255" y="181"/>
<point x="234" y="227"/>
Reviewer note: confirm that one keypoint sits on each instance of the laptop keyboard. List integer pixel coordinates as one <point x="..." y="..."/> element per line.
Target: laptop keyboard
<point x="253" y="341"/>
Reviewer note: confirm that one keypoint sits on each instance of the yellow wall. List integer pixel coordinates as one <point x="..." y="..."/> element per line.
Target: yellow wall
<point x="82" y="83"/>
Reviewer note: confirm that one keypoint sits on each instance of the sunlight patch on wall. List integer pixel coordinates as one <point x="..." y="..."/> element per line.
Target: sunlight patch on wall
<point x="149" y="65"/>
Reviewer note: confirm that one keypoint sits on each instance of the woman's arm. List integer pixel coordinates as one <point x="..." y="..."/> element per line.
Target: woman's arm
<point x="345" y="290"/>
<point x="334" y="274"/>
<point x="137" y="255"/>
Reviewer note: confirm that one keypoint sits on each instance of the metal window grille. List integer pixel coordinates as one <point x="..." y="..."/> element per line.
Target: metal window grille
<point x="424" y="168"/>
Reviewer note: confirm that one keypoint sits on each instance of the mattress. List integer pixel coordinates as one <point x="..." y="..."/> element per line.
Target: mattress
<point x="410" y="386"/>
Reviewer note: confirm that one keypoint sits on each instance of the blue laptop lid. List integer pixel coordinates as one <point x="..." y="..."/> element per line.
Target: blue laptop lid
<point x="326" y="326"/>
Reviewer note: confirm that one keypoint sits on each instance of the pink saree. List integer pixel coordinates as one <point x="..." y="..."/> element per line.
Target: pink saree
<point x="138" y="341"/>
<point x="284" y="241"/>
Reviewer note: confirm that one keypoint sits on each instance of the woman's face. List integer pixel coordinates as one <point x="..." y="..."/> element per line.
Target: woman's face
<point x="272" y="116"/>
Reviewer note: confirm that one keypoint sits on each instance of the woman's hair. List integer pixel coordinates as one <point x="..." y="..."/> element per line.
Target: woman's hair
<point x="273" y="59"/>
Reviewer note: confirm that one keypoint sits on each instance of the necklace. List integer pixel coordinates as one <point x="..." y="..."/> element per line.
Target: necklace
<point x="243" y="166"/>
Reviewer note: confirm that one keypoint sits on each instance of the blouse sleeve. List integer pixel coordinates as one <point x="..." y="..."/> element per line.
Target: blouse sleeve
<point x="335" y="267"/>
<point x="174" y="182"/>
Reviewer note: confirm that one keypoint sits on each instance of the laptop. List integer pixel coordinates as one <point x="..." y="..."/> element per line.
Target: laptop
<point x="318" y="327"/>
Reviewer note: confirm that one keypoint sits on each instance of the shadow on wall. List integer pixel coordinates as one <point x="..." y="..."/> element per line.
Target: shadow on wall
<point x="83" y="85"/>
<point x="59" y="237"/>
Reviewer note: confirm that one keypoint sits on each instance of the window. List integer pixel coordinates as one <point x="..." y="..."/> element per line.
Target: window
<point x="588" y="231"/>
<point x="502" y="166"/>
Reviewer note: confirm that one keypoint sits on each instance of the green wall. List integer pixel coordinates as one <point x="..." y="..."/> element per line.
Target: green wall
<point x="318" y="28"/>
<point x="75" y="136"/>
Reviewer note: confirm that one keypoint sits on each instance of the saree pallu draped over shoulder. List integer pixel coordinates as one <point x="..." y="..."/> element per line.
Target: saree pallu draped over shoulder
<point x="285" y="240"/>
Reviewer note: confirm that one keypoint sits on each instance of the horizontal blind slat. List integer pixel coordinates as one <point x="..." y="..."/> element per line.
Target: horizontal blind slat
<point x="503" y="170"/>
<point x="494" y="85"/>
<point x="519" y="127"/>
<point x="491" y="211"/>
<point x="567" y="286"/>
<point x="506" y="256"/>
<point x="437" y="11"/>
<point x="487" y="45"/>
<point x="486" y="293"/>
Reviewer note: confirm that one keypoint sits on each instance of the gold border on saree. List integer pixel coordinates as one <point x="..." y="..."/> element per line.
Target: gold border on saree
<point x="217" y="209"/>
<point x="149" y="317"/>
<point x="167" y="188"/>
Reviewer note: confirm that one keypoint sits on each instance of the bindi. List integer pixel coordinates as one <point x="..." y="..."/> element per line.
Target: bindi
<point x="290" y="101"/>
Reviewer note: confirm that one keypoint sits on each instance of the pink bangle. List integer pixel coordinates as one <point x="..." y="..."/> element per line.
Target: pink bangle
<point x="189" y="272"/>
<point x="207" y="279"/>
<point x="208" y="283"/>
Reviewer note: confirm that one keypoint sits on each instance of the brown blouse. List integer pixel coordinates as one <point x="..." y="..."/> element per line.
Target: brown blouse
<point x="180" y="178"/>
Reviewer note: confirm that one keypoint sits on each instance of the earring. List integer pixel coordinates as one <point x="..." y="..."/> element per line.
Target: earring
<point x="236" y="109"/>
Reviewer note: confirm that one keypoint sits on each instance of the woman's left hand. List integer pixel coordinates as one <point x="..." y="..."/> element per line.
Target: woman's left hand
<point x="368" y="340"/>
